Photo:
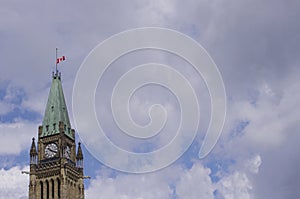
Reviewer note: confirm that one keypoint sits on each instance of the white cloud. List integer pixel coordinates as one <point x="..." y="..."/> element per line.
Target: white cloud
<point x="36" y="101"/>
<point x="235" y="186"/>
<point x="271" y="132"/>
<point x="174" y="181"/>
<point x="195" y="183"/>
<point x="253" y="164"/>
<point x="271" y="118"/>
<point x="146" y="186"/>
<point x="13" y="184"/>
<point x="238" y="184"/>
<point x="16" y="137"/>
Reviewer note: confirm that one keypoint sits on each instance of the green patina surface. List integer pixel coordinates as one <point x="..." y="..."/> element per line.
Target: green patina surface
<point x="56" y="111"/>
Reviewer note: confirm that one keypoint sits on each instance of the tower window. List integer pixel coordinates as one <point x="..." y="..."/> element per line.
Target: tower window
<point x="47" y="184"/>
<point x="52" y="108"/>
<point x="47" y="127"/>
<point x="42" y="189"/>
<point x="54" y="126"/>
<point x="52" y="183"/>
<point x="58" y="188"/>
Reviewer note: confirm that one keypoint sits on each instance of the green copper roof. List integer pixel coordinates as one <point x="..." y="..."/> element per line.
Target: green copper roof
<point x="56" y="111"/>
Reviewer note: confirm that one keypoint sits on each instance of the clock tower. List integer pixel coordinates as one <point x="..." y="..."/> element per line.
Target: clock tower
<point x="56" y="170"/>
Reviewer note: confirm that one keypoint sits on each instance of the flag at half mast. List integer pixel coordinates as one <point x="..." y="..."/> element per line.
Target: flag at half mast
<point x="60" y="59"/>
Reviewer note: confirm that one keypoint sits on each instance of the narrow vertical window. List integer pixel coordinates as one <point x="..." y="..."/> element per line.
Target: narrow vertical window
<point x="42" y="189"/>
<point x="47" y="184"/>
<point x="52" y="183"/>
<point x="58" y="188"/>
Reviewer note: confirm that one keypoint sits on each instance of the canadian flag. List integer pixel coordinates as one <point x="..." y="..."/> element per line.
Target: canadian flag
<point x="60" y="59"/>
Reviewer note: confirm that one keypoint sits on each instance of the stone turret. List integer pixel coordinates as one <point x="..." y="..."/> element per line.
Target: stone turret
<point x="33" y="153"/>
<point x="79" y="156"/>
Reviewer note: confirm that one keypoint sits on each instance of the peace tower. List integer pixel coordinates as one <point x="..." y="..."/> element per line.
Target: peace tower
<point x="56" y="170"/>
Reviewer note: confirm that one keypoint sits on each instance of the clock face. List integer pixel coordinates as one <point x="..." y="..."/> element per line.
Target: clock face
<point x="67" y="152"/>
<point x="51" y="150"/>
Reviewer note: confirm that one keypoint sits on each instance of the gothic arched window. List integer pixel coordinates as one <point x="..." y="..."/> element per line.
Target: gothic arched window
<point x="52" y="186"/>
<point x="58" y="188"/>
<point x="47" y="185"/>
<point x="42" y="189"/>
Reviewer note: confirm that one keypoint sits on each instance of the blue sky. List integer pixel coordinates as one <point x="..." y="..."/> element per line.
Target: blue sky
<point x="255" y="45"/>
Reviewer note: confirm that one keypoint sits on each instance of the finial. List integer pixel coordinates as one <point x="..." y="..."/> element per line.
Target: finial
<point x="56" y="62"/>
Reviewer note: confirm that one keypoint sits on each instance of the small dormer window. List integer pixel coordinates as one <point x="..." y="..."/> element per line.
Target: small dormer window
<point x="54" y="126"/>
<point x="47" y="128"/>
<point x="69" y="129"/>
<point x="65" y="127"/>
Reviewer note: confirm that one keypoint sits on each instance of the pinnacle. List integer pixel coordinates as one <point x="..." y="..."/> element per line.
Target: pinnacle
<point x="79" y="152"/>
<point x="33" y="148"/>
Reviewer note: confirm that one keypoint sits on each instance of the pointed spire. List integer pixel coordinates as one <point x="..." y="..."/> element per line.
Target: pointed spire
<point x="56" y="110"/>
<point x="33" y="151"/>
<point x="79" y="152"/>
<point x="79" y="157"/>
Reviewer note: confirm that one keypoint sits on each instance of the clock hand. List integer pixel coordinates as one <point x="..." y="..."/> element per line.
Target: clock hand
<point x="54" y="151"/>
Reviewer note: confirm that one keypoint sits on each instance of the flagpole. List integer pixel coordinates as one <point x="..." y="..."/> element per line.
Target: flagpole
<point x="56" y="61"/>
